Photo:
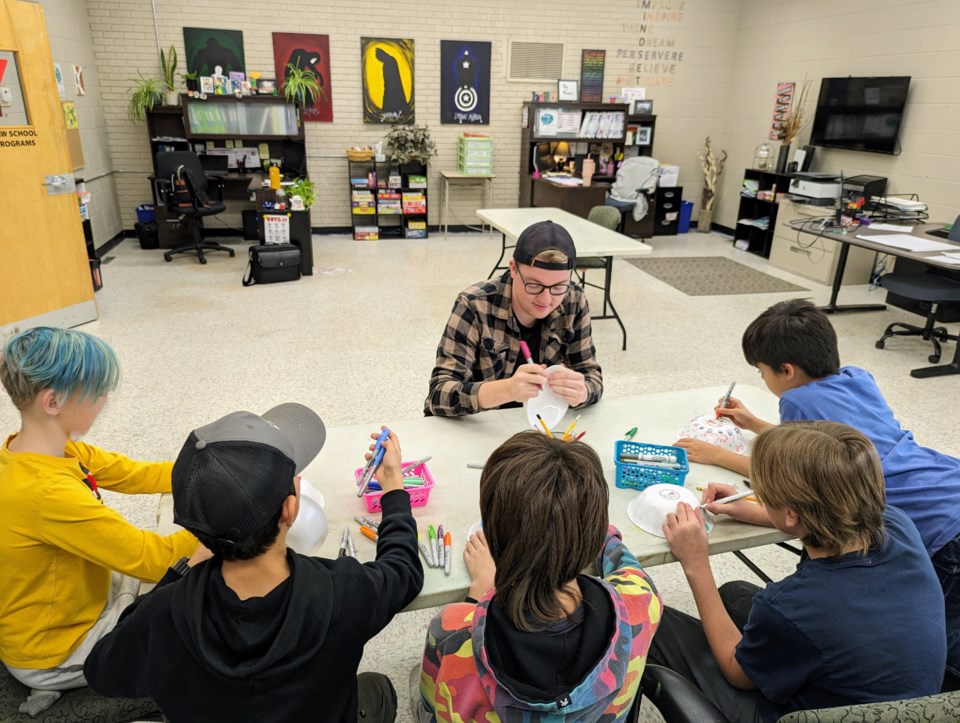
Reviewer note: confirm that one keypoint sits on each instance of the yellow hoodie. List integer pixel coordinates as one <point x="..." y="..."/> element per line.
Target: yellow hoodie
<point x="59" y="544"/>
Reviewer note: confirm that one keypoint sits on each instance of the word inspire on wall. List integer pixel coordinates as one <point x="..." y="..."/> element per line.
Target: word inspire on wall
<point x="653" y="61"/>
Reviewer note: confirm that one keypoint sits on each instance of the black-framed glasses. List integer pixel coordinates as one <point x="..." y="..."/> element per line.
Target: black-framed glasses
<point x="535" y="289"/>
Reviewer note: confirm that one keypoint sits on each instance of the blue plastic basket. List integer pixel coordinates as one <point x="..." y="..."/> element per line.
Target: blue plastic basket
<point x="640" y="476"/>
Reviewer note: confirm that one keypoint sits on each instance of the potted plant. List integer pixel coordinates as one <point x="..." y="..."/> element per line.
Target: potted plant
<point x="192" y="80"/>
<point x="300" y="84"/>
<point x="304" y="188"/>
<point x="712" y="169"/>
<point x="168" y="66"/>
<point x="410" y="144"/>
<point x="145" y="95"/>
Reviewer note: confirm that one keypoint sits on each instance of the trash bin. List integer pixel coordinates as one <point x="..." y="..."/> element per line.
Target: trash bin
<point x="95" y="274"/>
<point x="146" y="213"/>
<point x="148" y="235"/>
<point x="686" y="212"/>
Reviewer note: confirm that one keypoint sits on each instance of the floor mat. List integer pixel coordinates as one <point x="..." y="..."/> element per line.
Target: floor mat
<point x="711" y="276"/>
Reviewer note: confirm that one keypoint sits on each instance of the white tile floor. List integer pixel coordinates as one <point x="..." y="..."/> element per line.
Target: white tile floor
<point x="357" y="341"/>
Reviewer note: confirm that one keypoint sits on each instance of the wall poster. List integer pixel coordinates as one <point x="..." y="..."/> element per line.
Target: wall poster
<point x="386" y="69"/>
<point x="465" y="81"/>
<point x="306" y="52"/>
<point x="592" y="64"/>
<point x="207" y="48"/>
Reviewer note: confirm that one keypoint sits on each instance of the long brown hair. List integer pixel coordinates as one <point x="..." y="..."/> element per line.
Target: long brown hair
<point x="830" y="475"/>
<point x="543" y="503"/>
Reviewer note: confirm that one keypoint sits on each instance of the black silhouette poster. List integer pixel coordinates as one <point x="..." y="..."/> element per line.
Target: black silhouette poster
<point x="207" y="48"/>
<point x="464" y="82"/>
<point x="387" y="73"/>
<point x="306" y="52"/>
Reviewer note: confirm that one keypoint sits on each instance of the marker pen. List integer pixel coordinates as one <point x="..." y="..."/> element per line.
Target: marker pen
<point x="424" y="551"/>
<point x="525" y="350"/>
<point x="372" y="463"/>
<point x="414" y="465"/>
<point x="570" y="428"/>
<point x="439" y="545"/>
<point x="447" y="552"/>
<point x="371" y="523"/>
<point x="726" y="398"/>
<point x="368" y="533"/>
<point x="630" y="435"/>
<point x="434" y="555"/>
<point x="343" y="543"/>
<point x="545" y="427"/>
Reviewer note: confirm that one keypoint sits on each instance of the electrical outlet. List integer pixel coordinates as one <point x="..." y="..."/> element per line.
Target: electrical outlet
<point x="6" y="96"/>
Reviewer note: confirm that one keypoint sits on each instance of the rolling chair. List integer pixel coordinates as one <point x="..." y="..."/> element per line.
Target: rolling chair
<point x="198" y="206"/>
<point x="680" y="701"/>
<point x="931" y="289"/>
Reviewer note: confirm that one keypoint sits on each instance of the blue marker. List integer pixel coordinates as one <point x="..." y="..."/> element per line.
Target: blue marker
<point x="373" y="462"/>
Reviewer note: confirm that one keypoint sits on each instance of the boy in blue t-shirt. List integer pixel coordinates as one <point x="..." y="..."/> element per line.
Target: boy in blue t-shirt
<point x="794" y="346"/>
<point x="861" y="619"/>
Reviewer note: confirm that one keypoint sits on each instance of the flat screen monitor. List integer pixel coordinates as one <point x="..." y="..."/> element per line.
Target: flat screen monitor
<point x="860" y="114"/>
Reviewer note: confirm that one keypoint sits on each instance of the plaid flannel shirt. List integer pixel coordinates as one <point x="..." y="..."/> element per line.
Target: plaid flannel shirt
<point x="481" y="343"/>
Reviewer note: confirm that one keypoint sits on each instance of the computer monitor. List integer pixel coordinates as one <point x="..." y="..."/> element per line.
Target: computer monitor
<point x="214" y="164"/>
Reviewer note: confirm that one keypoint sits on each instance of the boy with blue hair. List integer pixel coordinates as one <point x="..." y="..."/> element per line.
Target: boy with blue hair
<point x="69" y="563"/>
<point x="794" y="346"/>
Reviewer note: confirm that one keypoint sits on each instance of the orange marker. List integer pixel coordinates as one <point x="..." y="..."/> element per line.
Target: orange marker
<point x="368" y="532"/>
<point x="447" y="545"/>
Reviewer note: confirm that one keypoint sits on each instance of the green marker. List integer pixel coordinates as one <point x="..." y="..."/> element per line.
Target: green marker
<point x="434" y="553"/>
<point x="630" y="435"/>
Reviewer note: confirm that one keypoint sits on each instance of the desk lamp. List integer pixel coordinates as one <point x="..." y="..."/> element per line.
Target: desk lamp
<point x="561" y="153"/>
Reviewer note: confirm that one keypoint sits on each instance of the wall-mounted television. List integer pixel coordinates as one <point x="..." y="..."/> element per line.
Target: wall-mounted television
<point x="860" y="114"/>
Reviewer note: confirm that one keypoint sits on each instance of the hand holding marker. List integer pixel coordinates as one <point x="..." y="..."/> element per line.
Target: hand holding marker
<point x="527" y="356"/>
<point x="373" y="462"/>
<point x="726" y="398"/>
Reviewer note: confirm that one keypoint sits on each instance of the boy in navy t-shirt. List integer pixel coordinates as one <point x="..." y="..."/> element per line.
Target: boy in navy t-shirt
<point x="794" y="346"/>
<point x="861" y="620"/>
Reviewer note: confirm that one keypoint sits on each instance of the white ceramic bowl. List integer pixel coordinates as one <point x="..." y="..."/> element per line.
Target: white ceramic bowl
<point x="548" y="404"/>
<point x="650" y="508"/>
<point x="309" y="530"/>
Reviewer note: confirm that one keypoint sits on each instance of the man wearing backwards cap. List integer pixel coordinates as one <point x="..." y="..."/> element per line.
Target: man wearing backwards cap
<point x="479" y="362"/>
<point x="259" y="632"/>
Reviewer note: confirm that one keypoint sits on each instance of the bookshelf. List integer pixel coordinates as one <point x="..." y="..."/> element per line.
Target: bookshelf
<point x="387" y="199"/>
<point x="639" y="135"/>
<point x="757" y="213"/>
<point x="568" y="129"/>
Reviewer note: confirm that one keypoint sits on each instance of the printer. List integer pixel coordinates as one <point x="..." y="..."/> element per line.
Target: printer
<point x="818" y="189"/>
<point x="865" y="187"/>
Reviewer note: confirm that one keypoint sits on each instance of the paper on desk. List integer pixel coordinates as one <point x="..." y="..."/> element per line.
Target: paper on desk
<point x="907" y="242"/>
<point x="952" y="259"/>
<point x="890" y="227"/>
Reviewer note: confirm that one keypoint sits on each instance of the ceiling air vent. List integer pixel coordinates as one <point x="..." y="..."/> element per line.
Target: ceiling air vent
<point x="534" y="61"/>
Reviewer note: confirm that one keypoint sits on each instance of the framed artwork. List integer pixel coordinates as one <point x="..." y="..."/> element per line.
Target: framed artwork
<point x="206" y="83"/>
<point x="208" y="48"/>
<point x="568" y="90"/>
<point x="386" y="71"/>
<point x="306" y="51"/>
<point x="464" y="82"/>
<point x="643" y="136"/>
<point x="267" y="86"/>
<point x="642" y="107"/>
<point x="592" y="64"/>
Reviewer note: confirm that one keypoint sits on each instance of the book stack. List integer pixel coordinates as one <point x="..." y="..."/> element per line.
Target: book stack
<point x="394" y="180"/>
<point x="362" y="202"/>
<point x="388" y="202"/>
<point x="415" y="181"/>
<point x="366" y="233"/>
<point x="414" y="202"/>
<point x="415" y="228"/>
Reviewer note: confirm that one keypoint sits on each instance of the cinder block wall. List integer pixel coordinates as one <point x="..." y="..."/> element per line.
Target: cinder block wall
<point x="787" y="41"/>
<point x="689" y="89"/>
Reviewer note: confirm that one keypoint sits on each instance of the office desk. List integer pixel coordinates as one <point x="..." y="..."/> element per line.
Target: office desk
<point x="849" y="239"/>
<point x="577" y="200"/>
<point x="456" y="178"/>
<point x="236" y="187"/>
<point x="590" y="239"/>
<point x="454" y="502"/>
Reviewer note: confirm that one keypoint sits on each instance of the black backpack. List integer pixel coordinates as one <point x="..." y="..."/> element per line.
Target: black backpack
<point x="186" y="186"/>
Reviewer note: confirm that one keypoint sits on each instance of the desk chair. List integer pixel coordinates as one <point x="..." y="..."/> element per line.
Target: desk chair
<point x="929" y="288"/>
<point x="680" y="701"/>
<point x="199" y="205"/>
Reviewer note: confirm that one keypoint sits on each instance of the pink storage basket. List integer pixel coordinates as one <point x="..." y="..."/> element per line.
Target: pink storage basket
<point x="419" y="496"/>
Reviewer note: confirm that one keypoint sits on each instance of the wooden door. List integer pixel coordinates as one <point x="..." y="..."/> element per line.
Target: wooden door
<point x="44" y="271"/>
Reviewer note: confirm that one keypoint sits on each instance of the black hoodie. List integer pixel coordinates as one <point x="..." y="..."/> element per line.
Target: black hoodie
<point x="204" y="655"/>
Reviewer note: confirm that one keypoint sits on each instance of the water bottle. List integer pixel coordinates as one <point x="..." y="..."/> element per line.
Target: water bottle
<point x="281" y="203"/>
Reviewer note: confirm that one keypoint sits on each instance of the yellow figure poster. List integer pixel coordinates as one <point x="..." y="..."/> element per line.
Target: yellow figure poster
<point x="387" y="72"/>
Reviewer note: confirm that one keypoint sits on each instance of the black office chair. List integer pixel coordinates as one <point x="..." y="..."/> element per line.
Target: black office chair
<point x="928" y="288"/>
<point x="190" y="209"/>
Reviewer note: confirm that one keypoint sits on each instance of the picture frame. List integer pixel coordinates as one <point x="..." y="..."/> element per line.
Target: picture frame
<point x="266" y="86"/>
<point x="568" y="90"/>
<point x="642" y="107"/>
<point x="206" y="83"/>
<point x="643" y="136"/>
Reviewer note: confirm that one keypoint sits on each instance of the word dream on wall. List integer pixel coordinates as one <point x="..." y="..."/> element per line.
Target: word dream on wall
<point x="653" y="61"/>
